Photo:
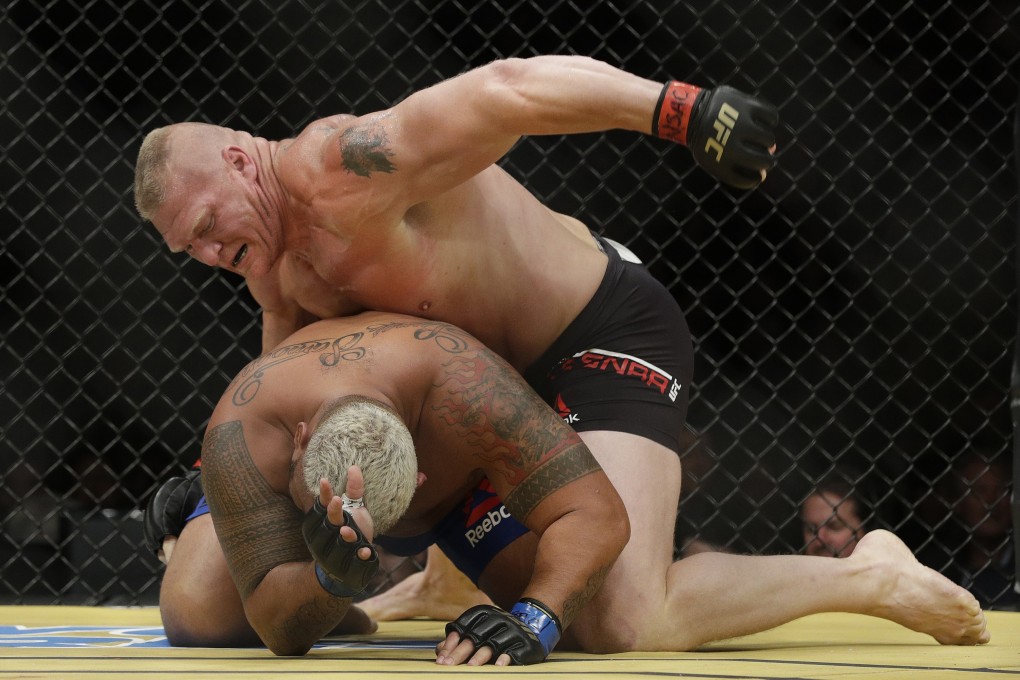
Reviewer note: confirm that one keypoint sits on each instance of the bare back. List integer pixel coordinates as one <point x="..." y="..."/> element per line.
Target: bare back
<point x="441" y="381"/>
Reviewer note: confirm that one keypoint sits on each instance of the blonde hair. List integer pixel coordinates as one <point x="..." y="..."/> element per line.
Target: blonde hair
<point x="150" y="172"/>
<point x="360" y="431"/>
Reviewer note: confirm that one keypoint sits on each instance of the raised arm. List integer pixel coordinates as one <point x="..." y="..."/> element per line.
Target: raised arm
<point x="439" y="137"/>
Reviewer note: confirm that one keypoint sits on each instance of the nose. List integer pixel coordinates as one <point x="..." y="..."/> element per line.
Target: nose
<point x="208" y="253"/>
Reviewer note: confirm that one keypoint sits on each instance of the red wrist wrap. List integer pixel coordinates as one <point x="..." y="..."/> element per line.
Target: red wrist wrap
<point x="673" y="112"/>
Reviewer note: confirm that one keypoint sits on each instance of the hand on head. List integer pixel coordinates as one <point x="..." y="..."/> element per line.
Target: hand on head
<point x="351" y="500"/>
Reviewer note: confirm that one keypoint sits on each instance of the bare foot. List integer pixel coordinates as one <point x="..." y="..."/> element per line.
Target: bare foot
<point x="439" y="592"/>
<point x="920" y="598"/>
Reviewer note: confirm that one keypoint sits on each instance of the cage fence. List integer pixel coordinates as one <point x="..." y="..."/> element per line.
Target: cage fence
<point x="853" y="317"/>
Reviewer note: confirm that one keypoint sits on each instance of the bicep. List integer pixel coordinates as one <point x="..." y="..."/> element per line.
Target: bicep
<point x="257" y="527"/>
<point x="433" y="141"/>
<point x="525" y="448"/>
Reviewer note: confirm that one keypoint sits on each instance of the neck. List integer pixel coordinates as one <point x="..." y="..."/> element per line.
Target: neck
<point x="275" y="197"/>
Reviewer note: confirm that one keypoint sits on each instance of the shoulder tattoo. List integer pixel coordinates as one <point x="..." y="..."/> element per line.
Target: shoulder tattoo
<point x="494" y="411"/>
<point x="331" y="351"/>
<point x="257" y="527"/>
<point x="365" y="148"/>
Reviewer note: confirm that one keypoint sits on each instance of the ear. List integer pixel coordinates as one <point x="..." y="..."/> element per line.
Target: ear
<point x="239" y="159"/>
<point x="301" y="436"/>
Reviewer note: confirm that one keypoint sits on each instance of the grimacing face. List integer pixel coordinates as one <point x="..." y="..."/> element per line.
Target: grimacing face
<point x="216" y="214"/>
<point x="831" y="525"/>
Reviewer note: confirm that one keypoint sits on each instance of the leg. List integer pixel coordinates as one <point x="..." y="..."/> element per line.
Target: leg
<point x="439" y="592"/>
<point x="198" y="601"/>
<point x="651" y="603"/>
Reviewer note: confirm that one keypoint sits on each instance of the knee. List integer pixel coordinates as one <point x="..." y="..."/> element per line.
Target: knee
<point x="609" y="626"/>
<point x="197" y="619"/>
<point x="198" y="602"/>
<point x="632" y="621"/>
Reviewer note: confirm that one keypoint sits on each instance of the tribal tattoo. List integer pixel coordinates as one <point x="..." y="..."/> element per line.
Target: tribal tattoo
<point x="495" y="412"/>
<point x="365" y="149"/>
<point x="257" y="527"/>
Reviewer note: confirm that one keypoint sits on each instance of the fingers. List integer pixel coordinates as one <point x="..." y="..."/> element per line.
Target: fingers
<point x="325" y="492"/>
<point x="356" y="490"/>
<point x="355" y="483"/>
<point x="463" y="651"/>
<point x="168" y="547"/>
<point x="335" y="512"/>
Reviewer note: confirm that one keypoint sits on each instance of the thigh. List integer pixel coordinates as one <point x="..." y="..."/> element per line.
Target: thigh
<point x="647" y="477"/>
<point x="198" y="601"/>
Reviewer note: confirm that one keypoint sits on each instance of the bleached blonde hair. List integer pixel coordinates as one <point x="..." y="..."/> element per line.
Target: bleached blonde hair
<point x="363" y="432"/>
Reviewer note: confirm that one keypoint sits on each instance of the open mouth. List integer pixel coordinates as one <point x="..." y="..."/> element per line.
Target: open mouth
<point x="240" y="255"/>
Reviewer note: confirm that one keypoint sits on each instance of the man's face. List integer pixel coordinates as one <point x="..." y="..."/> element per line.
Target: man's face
<point x="217" y="214"/>
<point x="831" y="527"/>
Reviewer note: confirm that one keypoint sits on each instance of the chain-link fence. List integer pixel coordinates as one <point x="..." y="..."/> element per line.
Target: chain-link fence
<point x="855" y="314"/>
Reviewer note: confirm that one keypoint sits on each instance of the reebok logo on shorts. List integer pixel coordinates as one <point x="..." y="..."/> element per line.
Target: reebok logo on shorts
<point x="624" y="364"/>
<point x="564" y="411"/>
<point x="484" y="511"/>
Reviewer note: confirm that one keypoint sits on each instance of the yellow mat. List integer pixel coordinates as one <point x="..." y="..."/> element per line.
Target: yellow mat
<point x="86" y="643"/>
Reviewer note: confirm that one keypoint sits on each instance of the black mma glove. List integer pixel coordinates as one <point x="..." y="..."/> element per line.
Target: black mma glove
<point x="527" y="633"/>
<point x="169" y="507"/>
<point x="337" y="566"/>
<point x="728" y="132"/>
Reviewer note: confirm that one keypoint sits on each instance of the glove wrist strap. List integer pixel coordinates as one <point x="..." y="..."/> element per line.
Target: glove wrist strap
<point x="331" y="585"/>
<point x="540" y="619"/>
<point x="672" y="116"/>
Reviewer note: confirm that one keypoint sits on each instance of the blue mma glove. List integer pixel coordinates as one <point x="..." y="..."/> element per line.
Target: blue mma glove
<point x="337" y="566"/>
<point x="527" y="633"/>
<point x="169" y="507"/>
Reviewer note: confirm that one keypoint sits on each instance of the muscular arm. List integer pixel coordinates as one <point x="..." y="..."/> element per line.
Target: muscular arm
<point x="547" y="477"/>
<point x="443" y="135"/>
<point x="260" y="533"/>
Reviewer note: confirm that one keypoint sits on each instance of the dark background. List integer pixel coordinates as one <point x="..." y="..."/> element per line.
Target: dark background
<point x="857" y="311"/>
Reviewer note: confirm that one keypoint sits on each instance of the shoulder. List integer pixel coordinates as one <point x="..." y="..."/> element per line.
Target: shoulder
<point x="305" y="156"/>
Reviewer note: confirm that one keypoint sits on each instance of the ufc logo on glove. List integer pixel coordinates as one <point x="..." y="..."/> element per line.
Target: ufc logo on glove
<point x="724" y="124"/>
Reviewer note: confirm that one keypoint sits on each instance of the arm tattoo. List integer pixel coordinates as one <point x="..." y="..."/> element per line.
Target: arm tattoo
<point x="293" y="629"/>
<point x="257" y="527"/>
<point x="574" y="463"/>
<point x="491" y="408"/>
<point x="365" y="149"/>
<point x="576" y="601"/>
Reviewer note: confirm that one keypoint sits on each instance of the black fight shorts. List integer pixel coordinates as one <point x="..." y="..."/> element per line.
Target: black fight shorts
<point x="625" y="363"/>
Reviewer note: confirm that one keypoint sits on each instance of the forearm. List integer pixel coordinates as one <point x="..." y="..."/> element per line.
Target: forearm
<point x="572" y="561"/>
<point x="565" y="94"/>
<point x="290" y="611"/>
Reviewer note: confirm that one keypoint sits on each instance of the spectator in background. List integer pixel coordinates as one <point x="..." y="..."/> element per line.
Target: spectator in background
<point x="833" y="516"/>
<point x="985" y="562"/>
